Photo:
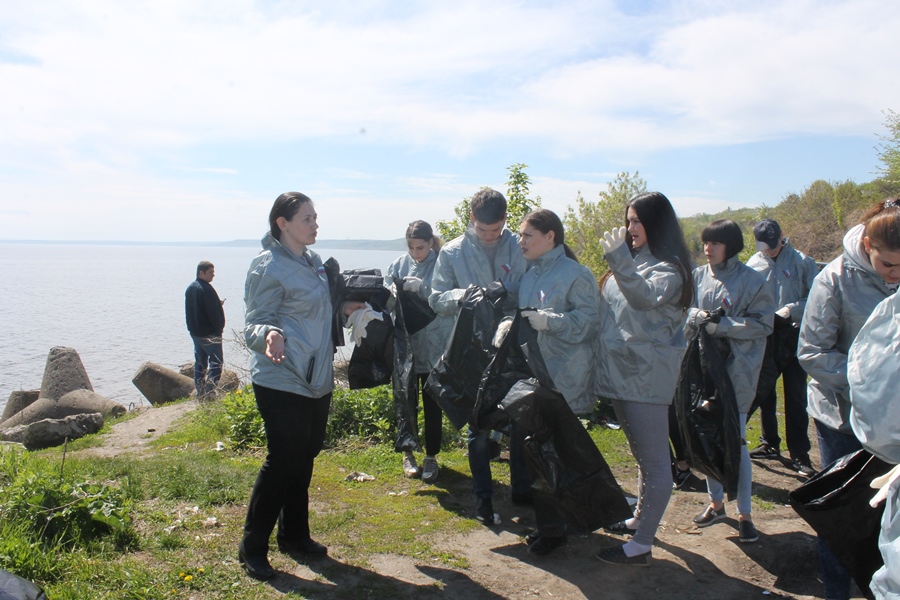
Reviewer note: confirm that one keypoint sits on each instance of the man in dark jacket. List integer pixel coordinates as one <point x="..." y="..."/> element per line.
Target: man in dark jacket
<point x="206" y="321"/>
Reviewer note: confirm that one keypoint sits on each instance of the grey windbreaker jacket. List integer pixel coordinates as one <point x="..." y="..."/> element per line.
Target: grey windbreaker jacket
<point x="289" y="293"/>
<point x="790" y="276"/>
<point x="641" y="328"/>
<point x="872" y="367"/>
<point x="842" y="297"/>
<point x="749" y="316"/>
<point x="567" y="289"/>
<point x="429" y="343"/>
<point x="463" y="262"/>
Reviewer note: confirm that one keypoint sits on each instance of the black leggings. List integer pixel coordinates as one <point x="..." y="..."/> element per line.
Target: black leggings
<point x="434" y="426"/>
<point x="295" y="432"/>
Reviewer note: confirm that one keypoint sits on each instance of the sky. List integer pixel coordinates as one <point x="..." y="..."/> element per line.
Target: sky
<point x="183" y="121"/>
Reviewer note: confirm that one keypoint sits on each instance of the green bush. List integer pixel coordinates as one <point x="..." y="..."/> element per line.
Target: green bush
<point x="366" y="414"/>
<point x="246" y="429"/>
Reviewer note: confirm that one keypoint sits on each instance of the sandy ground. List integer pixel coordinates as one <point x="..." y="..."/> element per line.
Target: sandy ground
<point x="687" y="562"/>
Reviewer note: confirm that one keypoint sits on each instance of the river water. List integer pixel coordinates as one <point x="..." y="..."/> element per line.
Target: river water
<point x="118" y="306"/>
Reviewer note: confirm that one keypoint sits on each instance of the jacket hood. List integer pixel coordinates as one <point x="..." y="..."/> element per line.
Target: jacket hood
<point x="273" y="245"/>
<point x="854" y="253"/>
<point x="549" y="257"/>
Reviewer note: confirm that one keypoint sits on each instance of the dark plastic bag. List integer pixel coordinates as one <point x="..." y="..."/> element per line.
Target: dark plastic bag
<point x="417" y="314"/>
<point x="707" y="412"/>
<point x="13" y="587"/>
<point x="835" y="503"/>
<point x="455" y="379"/>
<point x="572" y="485"/>
<point x="403" y="380"/>
<point x="335" y="286"/>
<point x="372" y="361"/>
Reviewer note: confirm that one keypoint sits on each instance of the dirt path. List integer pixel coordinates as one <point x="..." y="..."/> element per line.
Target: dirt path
<point x="687" y="562"/>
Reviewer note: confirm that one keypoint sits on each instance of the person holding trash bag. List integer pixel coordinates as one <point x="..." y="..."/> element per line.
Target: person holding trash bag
<point x="415" y="269"/>
<point x="288" y="330"/>
<point x="872" y="367"/>
<point x="643" y="297"/>
<point x="485" y="253"/>
<point x="842" y="297"/>
<point x="790" y="273"/>
<point x="747" y="309"/>
<point x="560" y="296"/>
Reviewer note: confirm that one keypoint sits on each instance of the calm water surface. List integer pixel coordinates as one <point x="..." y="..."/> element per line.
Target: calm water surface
<point x="118" y="306"/>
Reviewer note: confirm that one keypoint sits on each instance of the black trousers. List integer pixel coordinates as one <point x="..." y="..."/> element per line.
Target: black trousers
<point x="793" y="379"/>
<point x="295" y="432"/>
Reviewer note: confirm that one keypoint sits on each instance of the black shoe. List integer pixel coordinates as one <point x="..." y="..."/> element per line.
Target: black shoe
<point x="522" y="499"/>
<point x="546" y="544"/>
<point x="306" y="546"/>
<point x="709" y="516"/>
<point x="616" y="556"/>
<point x="620" y="528"/>
<point x="484" y="512"/>
<point x="532" y="536"/>
<point x="764" y="450"/>
<point x="747" y="532"/>
<point x="681" y="478"/>
<point x="802" y="465"/>
<point x="257" y="567"/>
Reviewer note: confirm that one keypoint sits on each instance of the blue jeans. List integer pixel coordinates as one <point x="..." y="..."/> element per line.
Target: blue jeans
<point x="480" y="464"/>
<point x="207" y="363"/>
<point x="833" y="445"/>
<point x="745" y="477"/>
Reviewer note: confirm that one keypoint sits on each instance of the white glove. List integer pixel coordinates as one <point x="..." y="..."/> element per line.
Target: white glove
<point x="711" y="327"/>
<point x="537" y="319"/>
<point x="359" y="319"/>
<point x="411" y="284"/>
<point x="502" y="331"/>
<point x="784" y="312"/>
<point x="612" y="239"/>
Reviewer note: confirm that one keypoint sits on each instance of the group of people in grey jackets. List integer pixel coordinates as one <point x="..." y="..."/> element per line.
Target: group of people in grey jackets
<point x="620" y="340"/>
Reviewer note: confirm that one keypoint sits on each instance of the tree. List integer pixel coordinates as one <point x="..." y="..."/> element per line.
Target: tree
<point x="889" y="151"/>
<point x="518" y="204"/>
<point x="586" y="222"/>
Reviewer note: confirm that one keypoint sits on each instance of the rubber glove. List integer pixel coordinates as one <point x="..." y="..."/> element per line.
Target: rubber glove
<point x="412" y="284"/>
<point x="784" y="312"/>
<point x="612" y="239"/>
<point x="538" y="319"/>
<point x="359" y="319"/>
<point x="502" y="331"/>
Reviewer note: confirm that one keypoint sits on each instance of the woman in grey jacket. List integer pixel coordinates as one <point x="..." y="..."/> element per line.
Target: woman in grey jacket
<point x="643" y="297"/>
<point x="743" y="294"/>
<point x="416" y="268"/>
<point x="842" y="297"/>
<point x="562" y="297"/>
<point x="288" y="330"/>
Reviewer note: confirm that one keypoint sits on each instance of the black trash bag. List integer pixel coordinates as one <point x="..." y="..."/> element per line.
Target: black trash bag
<point x="365" y="285"/>
<point x="707" y="412"/>
<point x="573" y="487"/>
<point x="785" y="337"/>
<point x="13" y="587"/>
<point x="455" y="379"/>
<point x="835" y="503"/>
<point x="403" y="380"/>
<point x="372" y="360"/>
<point x="336" y="287"/>
<point x="417" y="314"/>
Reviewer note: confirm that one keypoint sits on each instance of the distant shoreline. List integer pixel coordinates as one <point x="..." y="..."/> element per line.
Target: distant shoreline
<point x="396" y="244"/>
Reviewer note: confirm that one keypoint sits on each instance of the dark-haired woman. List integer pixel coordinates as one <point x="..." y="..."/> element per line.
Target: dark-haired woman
<point x="562" y="296"/>
<point x="643" y="297"/>
<point x="415" y="268"/>
<point x="728" y="284"/>
<point x="842" y="297"/>
<point x="288" y="330"/>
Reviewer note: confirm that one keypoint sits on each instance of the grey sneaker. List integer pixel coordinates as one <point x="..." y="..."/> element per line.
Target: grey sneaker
<point x="747" y="531"/>
<point x="616" y="556"/>
<point x="802" y="465"/>
<point x="430" y="470"/>
<point x="410" y="468"/>
<point x="709" y="516"/>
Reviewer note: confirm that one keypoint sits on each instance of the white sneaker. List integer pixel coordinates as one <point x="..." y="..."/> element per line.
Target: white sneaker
<point x="410" y="468"/>
<point x="430" y="469"/>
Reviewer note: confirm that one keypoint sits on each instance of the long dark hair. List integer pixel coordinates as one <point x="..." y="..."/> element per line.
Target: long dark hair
<point x="286" y="205"/>
<point x="420" y="230"/>
<point x="546" y="221"/>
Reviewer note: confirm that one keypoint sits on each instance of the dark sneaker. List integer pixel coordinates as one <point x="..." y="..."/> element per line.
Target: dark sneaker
<point x="764" y="450"/>
<point x="308" y="546"/>
<point x="484" y="512"/>
<point x="747" y="531"/>
<point x="709" y="516"/>
<point x="616" y="556"/>
<point x="532" y="536"/>
<point x="545" y="544"/>
<point x="802" y="465"/>
<point x="257" y="567"/>
<point x="620" y="528"/>
<point x="430" y="470"/>
<point x="681" y="478"/>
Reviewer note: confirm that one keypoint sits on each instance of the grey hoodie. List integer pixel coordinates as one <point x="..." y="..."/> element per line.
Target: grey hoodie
<point x="289" y="293"/>
<point x="842" y="297"/>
